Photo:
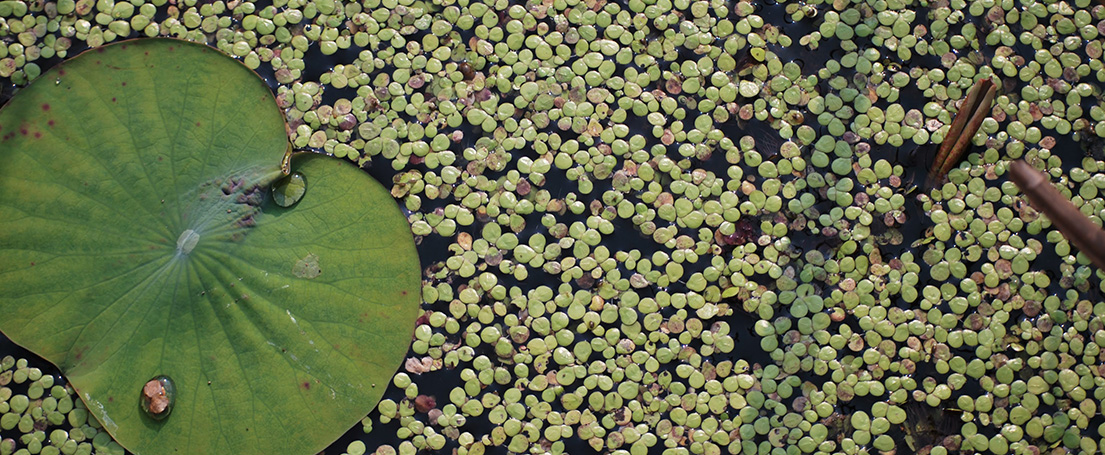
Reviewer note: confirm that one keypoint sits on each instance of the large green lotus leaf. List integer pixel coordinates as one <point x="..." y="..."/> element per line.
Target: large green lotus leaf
<point x="139" y="238"/>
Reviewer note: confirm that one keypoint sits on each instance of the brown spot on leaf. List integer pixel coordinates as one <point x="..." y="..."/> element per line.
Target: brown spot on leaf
<point x="247" y="221"/>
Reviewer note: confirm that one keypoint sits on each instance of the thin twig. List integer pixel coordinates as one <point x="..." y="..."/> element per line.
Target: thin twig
<point x="1078" y="228"/>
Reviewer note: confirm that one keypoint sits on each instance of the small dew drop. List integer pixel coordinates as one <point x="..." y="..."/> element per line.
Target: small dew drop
<point x="287" y="191"/>
<point x="157" y="397"/>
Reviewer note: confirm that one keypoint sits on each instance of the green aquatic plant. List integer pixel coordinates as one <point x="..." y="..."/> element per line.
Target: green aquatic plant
<point x="146" y="255"/>
<point x="682" y="226"/>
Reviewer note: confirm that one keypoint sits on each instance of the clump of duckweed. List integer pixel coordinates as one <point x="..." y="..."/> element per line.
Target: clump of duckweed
<point x="681" y="226"/>
<point x="40" y="414"/>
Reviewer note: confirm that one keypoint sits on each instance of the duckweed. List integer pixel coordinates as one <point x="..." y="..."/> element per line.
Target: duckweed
<point x="681" y="226"/>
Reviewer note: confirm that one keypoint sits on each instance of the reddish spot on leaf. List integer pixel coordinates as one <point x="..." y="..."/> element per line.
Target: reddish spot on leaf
<point x="61" y="72"/>
<point x="45" y="106"/>
<point x="113" y="99"/>
<point x="124" y="46"/>
<point x="197" y="124"/>
<point x="124" y="84"/>
<point x="403" y="293"/>
<point x="50" y="122"/>
<point x="23" y="131"/>
<point x="32" y="264"/>
<point x="38" y="135"/>
<point x="110" y="399"/>
<point x="306" y="385"/>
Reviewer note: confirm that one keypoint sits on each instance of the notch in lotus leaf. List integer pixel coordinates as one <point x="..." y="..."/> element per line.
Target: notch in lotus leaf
<point x="141" y="239"/>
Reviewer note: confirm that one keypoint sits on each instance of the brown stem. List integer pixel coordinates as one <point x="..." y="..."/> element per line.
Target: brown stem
<point x="980" y="112"/>
<point x="964" y="125"/>
<point x="1087" y="236"/>
<point x="286" y="162"/>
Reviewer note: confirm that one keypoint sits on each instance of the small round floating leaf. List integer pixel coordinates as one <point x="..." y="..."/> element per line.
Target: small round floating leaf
<point x="140" y="239"/>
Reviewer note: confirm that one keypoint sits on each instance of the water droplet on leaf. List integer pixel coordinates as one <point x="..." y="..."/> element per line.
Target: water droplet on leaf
<point x="157" y="397"/>
<point x="287" y="191"/>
